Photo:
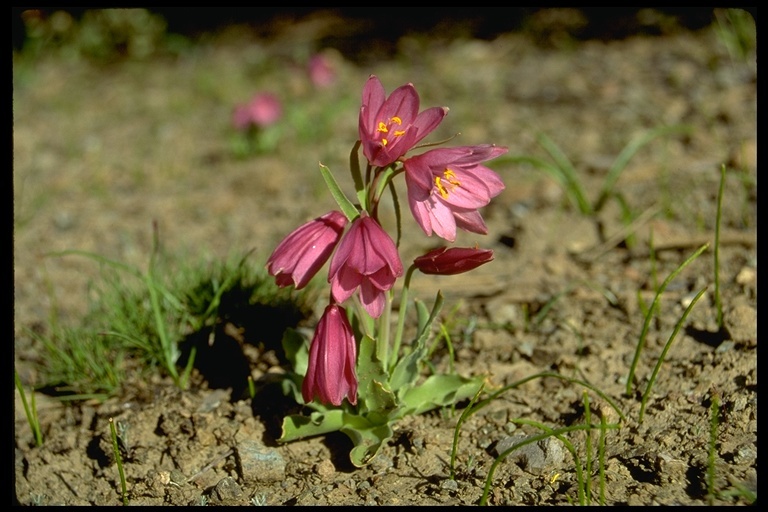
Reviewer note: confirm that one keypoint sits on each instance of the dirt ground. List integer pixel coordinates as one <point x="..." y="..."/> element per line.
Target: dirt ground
<point x="103" y="150"/>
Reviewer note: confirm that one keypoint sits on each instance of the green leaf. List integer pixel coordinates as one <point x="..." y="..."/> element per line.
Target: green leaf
<point x="297" y="426"/>
<point x="345" y="204"/>
<point x="296" y="350"/>
<point x="368" y="434"/>
<point x="373" y="392"/>
<point x="407" y="370"/>
<point x="438" y="391"/>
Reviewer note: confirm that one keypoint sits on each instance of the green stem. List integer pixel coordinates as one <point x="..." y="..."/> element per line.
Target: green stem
<point x="119" y="461"/>
<point x="401" y="316"/>
<point x="382" y="339"/>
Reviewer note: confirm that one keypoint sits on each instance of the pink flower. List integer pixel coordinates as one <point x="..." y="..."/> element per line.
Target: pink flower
<point x="321" y="71"/>
<point x="263" y="110"/>
<point x="332" y="357"/>
<point x="456" y="260"/>
<point x="366" y="258"/>
<point x="300" y="255"/>
<point x="389" y="127"/>
<point x="447" y="186"/>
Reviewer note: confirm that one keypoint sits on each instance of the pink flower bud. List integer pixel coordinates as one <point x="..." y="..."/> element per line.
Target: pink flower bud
<point x="449" y="261"/>
<point x="332" y="357"/>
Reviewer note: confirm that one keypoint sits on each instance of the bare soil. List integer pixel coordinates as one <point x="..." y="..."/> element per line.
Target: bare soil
<point x="102" y="151"/>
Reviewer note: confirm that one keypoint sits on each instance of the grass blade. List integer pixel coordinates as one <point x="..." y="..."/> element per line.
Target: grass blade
<point x="664" y="353"/>
<point x="626" y="155"/>
<point x="652" y="310"/>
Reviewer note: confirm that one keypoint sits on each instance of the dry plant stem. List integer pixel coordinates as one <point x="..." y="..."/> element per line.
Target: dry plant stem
<point x="596" y="252"/>
<point x="211" y="464"/>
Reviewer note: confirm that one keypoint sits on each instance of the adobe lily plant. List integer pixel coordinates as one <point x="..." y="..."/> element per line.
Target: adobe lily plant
<point x="356" y="375"/>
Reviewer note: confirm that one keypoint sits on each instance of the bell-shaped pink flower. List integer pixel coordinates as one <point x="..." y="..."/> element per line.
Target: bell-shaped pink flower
<point x="322" y="72"/>
<point x="262" y="110"/>
<point x="447" y="186"/>
<point x="390" y="126"/>
<point x="332" y="357"/>
<point x="366" y="258"/>
<point x="304" y="251"/>
<point x="455" y="260"/>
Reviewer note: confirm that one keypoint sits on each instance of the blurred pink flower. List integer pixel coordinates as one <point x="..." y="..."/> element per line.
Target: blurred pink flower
<point x="389" y="127"/>
<point x="366" y="258"/>
<point x="300" y="255"/>
<point x="447" y="186"/>
<point x="262" y="110"/>
<point x="321" y="71"/>
<point x="332" y="357"/>
<point x="455" y="260"/>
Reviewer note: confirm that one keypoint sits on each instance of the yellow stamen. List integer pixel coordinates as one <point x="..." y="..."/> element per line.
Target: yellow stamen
<point x="440" y="187"/>
<point x="382" y="127"/>
<point x="398" y="133"/>
<point x="450" y="177"/>
<point x="384" y="142"/>
<point x="396" y="120"/>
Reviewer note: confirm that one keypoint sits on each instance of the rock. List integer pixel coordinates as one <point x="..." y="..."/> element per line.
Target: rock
<point x="260" y="463"/>
<point x="534" y="457"/>
<point x="741" y="322"/>
<point x="227" y="490"/>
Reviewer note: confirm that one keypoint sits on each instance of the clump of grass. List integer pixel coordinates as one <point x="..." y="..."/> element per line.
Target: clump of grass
<point x="139" y="318"/>
<point x="737" y="30"/>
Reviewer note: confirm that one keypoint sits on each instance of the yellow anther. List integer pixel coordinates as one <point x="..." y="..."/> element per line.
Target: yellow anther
<point x="396" y="120"/>
<point x="382" y="127"/>
<point x="440" y="187"/>
<point x="384" y="142"/>
<point x="398" y="133"/>
<point x="450" y="176"/>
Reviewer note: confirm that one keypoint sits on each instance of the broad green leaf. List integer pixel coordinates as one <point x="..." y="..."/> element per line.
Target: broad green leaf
<point x="379" y="400"/>
<point x="371" y="378"/>
<point x="438" y="391"/>
<point x="297" y="426"/>
<point x="367" y="436"/>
